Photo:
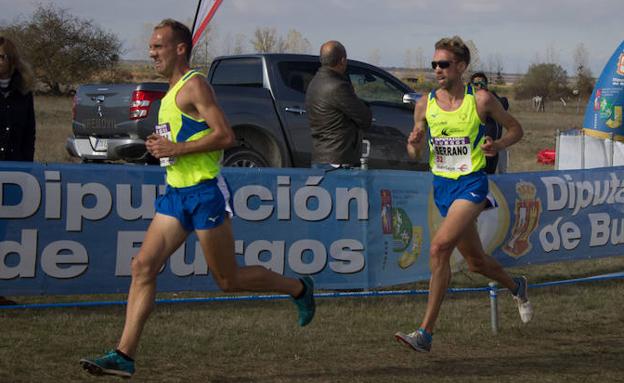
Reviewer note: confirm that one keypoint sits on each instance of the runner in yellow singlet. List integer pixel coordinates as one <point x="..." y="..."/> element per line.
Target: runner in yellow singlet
<point x="454" y="115"/>
<point x="196" y="200"/>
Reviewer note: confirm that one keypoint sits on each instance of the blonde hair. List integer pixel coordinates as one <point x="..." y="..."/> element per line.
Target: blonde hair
<point x="456" y="46"/>
<point x="19" y="69"/>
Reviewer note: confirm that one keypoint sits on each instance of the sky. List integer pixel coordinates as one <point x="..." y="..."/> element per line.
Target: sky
<point x="389" y="33"/>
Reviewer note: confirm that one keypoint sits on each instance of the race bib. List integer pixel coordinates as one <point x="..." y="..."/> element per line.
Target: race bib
<point x="452" y="154"/>
<point x="165" y="131"/>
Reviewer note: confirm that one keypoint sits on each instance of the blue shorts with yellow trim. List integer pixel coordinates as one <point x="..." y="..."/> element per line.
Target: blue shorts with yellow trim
<point x="472" y="187"/>
<point x="198" y="207"/>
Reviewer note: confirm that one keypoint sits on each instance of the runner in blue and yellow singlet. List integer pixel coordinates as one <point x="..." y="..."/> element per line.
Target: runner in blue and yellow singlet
<point x="453" y="115"/>
<point x="192" y="133"/>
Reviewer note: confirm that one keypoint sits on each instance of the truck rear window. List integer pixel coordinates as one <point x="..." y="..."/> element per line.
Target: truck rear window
<point x="238" y="72"/>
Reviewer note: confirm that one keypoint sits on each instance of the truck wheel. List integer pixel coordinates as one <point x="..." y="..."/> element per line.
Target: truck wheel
<point x="242" y="157"/>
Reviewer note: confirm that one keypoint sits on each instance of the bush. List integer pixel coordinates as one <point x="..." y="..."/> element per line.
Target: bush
<point x="63" y="49"/>
<point x="549" y="81"/>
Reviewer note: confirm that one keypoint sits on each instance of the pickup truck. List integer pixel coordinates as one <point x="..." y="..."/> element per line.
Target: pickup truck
<point x="262" y="96"/>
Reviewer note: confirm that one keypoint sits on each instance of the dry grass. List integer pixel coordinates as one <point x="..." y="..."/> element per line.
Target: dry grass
<point x="540" y="130"/>
<point x="54" y="124"/>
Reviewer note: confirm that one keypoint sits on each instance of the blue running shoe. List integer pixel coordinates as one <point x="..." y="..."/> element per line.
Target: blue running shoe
<point x="419" y="340"/>
<point x="522" y="299"/>
<point x="109" y="364"/>
<point x="305" y="303"/>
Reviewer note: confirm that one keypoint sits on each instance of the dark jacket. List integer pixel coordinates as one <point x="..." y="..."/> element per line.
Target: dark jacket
<point x="17" y="125"/>
<point x="494" y="130"/>
<point x="337" y="118"/>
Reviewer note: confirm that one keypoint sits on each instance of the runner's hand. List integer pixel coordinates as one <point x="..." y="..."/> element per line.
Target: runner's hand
<point x="158" y="146"/>
<point x="490" y="147"/>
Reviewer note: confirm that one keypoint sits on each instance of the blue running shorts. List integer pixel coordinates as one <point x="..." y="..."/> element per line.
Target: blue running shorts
<point x="472" y="187"/>
<point x="198" y="207"/>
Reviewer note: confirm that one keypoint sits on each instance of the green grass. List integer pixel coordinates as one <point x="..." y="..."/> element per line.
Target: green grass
<point x="576" y="335"/>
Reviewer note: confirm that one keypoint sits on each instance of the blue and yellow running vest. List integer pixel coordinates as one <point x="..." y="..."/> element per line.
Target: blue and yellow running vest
<point x="455" y="137"/>
<point x="189" y="169"/>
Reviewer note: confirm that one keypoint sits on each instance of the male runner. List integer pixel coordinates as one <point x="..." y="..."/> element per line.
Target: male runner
<point x="196" y="200"/>
<point x="455" y="115"/>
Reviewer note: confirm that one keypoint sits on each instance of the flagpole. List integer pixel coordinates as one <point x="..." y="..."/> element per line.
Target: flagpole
<point x="205" y="19"/>
<point x="196" y="14"/>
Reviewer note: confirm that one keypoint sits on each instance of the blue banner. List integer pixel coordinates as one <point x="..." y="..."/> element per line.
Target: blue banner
<point x="603" y="114"/>
<point x="73" y="229"/>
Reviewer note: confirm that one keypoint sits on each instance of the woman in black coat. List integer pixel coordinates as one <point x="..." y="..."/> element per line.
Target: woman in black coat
<point x="17" y="113"/>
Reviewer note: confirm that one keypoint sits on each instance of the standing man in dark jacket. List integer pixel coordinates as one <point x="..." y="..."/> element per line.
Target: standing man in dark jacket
<point x="337" y="116"/>
<point x="492" y="128"/>
<point x="17" y="113"/>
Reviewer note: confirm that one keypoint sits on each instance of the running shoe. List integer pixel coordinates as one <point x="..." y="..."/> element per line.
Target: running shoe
<point x="305" y="303"/>
<point x="418" y="340"/>
<point x="110" y="363"/>
<point x="522" y="299"/>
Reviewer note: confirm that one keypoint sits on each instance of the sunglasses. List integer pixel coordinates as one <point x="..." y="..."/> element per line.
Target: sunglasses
<point x="443" y="64"/>
<point x="480" y="84"/>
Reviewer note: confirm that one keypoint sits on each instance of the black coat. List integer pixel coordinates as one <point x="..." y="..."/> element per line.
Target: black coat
<point x="494" y="130"/>
<point x="17" y="126"/>
<point x="337" y="117"/>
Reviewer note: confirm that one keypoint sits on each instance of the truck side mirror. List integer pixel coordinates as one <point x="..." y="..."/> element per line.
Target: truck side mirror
<point x="411" y="98"/>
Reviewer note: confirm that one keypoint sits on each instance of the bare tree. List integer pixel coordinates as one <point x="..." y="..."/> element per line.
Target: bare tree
<point x="580" y="56"/>
<point x="552" y="54"/>
<point x="295" y="43"/>
<point x="265" y="40"/>
<point x="475" y="60"/>
<point x="584" y="78"/>
<point x="203" y="50"/>
<point x="233" y="45"/>
<point x="239" y="44"/>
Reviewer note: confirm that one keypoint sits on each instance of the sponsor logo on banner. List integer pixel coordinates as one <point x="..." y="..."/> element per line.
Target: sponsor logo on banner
<point x="527" y="213"/>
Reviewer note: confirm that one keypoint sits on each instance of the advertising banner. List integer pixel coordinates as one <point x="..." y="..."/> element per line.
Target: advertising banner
<point x="603" y="114"/>
<point x="73" y="229"/>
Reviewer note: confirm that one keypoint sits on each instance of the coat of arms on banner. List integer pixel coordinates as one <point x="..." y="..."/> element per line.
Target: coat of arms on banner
<point x="527" y="213"/>
<point x="407" y="239"/>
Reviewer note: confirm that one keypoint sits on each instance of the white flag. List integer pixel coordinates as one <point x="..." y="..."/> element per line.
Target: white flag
<point x="205" y="11"/>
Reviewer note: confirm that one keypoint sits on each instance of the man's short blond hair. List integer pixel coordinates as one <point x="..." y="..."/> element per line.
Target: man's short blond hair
<point x="456" y="46"/>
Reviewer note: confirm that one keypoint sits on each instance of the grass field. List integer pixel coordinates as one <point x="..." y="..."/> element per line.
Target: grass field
<point x="576" y="335"/>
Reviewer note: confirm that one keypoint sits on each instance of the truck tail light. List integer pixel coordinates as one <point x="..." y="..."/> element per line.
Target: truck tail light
<point x="141" y="102"/>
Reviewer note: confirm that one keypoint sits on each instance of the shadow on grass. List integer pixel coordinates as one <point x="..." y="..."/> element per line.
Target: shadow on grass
<point x="568" y="366"/>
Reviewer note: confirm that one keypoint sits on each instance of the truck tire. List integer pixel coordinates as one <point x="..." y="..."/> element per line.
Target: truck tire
<point x="242" y="157"/>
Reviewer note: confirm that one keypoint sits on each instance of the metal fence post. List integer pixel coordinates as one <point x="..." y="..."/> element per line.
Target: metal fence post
<point x="611" y="160"/>
<point x="582" y="149"/>
<point x="557" y="148"/>
<point x="494" y="307"/>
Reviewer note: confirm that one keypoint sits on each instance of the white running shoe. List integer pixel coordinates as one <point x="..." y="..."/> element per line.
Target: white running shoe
<point x="522" y="300"/>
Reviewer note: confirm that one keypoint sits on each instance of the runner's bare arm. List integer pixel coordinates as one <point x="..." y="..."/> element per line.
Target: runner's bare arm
<point x="198" y="100"/>
<point x="416" y="139"/>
